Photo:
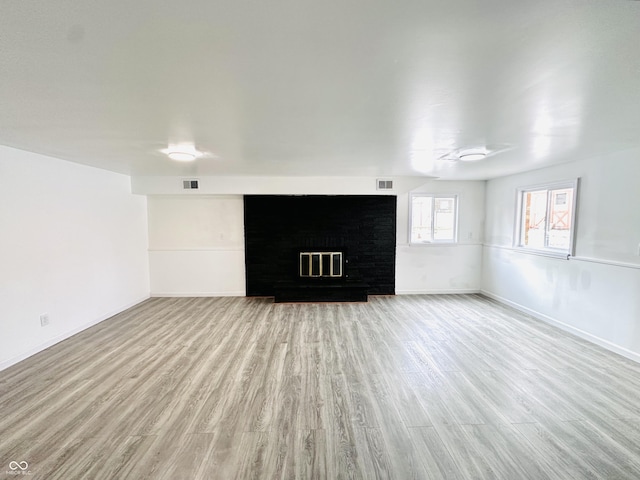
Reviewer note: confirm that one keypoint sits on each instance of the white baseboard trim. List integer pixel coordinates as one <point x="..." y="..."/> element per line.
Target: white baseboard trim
<point x="63" y="336"/>
<point x="199" y="294"/>
<point x="438" y="292"/>
<point x="631" y="355"/>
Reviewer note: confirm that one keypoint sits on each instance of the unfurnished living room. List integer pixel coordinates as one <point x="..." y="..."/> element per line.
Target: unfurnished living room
<point x="323" y="240"/>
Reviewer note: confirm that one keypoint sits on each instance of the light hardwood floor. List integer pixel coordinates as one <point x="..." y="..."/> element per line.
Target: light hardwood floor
<point x="443" y="387"/>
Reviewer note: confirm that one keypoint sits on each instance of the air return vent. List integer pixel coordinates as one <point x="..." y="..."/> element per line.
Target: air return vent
<point x="190" y="184"/>
<point x="384" y="184"/>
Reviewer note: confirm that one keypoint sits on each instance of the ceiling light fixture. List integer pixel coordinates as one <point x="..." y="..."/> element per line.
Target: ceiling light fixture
<point x="182" y="156"/>
<point x="472" y="156"/>
<point x="182" y="152"/>
<point x="475" y="154"/>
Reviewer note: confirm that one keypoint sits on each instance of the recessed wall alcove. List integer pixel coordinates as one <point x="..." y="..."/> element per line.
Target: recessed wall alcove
<point x="279" y="227"/>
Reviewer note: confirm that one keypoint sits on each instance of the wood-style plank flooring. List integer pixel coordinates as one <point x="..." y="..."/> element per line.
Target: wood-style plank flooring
<point x="442" y="387"/>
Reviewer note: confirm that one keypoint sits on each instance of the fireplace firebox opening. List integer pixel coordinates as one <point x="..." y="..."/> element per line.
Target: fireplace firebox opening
<point x="321" y="264"/>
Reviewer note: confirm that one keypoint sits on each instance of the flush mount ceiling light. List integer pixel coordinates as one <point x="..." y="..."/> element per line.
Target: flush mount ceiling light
<point x="475" y="154"/>
<point x="471" y="156"/>
<point x="182" y="152"/>
<point x="182" y="156"/>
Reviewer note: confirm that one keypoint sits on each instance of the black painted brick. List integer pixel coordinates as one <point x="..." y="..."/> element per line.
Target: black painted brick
<point x="277" y="227"/>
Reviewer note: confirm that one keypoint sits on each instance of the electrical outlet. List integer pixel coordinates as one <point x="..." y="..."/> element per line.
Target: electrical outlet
<point x="44" y="320"/>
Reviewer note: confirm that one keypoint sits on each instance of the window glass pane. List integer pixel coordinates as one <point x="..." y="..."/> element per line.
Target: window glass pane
<point x="534" y="214"/>
<point x="421" y="219"/>
<point x="444" y="219"/>
<point x="560" y="213"/>
<point x="546" y="217"/>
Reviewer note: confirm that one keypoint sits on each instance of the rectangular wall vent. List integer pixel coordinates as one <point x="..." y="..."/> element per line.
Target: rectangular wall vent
<point x="190" y="184"/>
<point x="385" y="184"/>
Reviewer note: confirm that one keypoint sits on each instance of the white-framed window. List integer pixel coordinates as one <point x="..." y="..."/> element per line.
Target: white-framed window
<point x="433" y="218"/>
<point x="546" y="217"/>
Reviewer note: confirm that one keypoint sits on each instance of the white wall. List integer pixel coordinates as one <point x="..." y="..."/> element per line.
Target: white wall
<point x="196" y="238"/>
<point x="73" y="245"/>
<point x="196" y="245"/>
<point x="247" y="185"/>
<point x="443" y="268"/>
<point x="596" y="294"/>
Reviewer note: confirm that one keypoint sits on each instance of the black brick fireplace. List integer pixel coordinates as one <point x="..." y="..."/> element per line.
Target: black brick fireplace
<point x="320" y="248"/>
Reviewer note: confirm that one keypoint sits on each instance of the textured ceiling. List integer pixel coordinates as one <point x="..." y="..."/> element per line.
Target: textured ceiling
<point x="338" y="87"/>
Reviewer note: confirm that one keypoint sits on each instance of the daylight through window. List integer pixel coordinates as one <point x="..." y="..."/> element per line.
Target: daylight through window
<point x="433" y="218"/>
<point x="547" y="217"/>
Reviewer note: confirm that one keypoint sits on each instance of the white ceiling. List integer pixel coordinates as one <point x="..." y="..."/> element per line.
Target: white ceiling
<point x="331" y="87"/>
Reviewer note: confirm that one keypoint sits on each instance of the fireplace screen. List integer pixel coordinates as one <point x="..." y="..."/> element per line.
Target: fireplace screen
<point x="320" y="264"/>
